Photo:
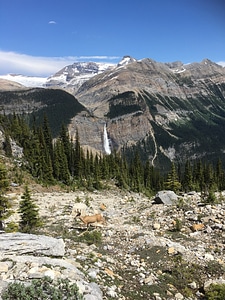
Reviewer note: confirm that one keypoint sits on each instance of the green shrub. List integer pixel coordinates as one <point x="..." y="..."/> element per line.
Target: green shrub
<point x="44" y="289"/>
<point x="93" y="237"/>
<point x="211" y="198"/>
<point x="12" y="227"/>
<point x="178" y="225"/>
<point x="215" y="292"/>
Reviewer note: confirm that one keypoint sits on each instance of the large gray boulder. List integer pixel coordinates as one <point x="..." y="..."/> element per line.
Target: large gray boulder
<point x="39" y="245"/>
<point x="166" y="197"/>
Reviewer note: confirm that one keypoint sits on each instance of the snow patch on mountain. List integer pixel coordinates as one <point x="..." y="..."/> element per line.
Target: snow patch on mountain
<point x="77" y="73"/>
<point x="27" y="81"/>
<point x="126" y="60"/>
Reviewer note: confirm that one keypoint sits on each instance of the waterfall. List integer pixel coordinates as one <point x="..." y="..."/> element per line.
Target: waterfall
<point x="106" y="141"/>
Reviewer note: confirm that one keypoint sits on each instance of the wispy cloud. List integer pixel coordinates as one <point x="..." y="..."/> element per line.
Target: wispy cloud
<point x="52" y="22"/>
<point x="16" y="63"/>
<point x="222" y="63"/>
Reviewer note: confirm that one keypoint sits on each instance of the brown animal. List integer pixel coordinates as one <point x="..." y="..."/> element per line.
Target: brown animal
<point x="97" y="218"/>
<point x="197" y="227"/>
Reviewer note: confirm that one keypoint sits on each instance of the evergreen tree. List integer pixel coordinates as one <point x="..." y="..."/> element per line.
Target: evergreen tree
<point x="187" y="183"/>
<point x="220" y="178"/>
<point x="198" y="177"/>
<point x="5" y="206"/>
<point x="97" y="184"/>
<point x="77" y="158"/>
<point x="7" y="145"/>
<point x="65" y="139"/>
<point x="148" y="176"/>
<point x="29" y="211"/>
<point x="209" y="182"/>
<point x="137" y="174"/>
<point x="47" y="136"/>
<point x="172" y="182"/>
<point x="61" y="171"/>
<point x="45" y="159"/>
<point x="15" y="127"/>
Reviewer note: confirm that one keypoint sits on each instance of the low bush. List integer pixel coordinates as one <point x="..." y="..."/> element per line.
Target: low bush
<point x="45" y="289"/>
<point x="215" y="292"/>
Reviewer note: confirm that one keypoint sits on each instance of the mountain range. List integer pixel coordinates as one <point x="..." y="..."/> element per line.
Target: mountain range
<point x="165" y="111"/>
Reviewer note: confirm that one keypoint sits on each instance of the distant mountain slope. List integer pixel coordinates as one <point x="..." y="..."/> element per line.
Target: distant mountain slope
<point x="8" y="85"/>
<point x="59" y="106"/>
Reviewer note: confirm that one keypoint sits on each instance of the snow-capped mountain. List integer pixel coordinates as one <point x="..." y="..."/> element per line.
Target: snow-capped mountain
<point x="126" y="60"/>
<point x="73" y="76"/>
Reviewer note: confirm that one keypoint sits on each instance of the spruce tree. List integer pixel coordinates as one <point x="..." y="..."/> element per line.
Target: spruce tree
<point x="61" y="171"/>
<point x="148" y="176"/>
<point x="29" y="211"/>
<point x="77" y="158"/>
<point x="47" y="136"/>
<point x="172" y="182"/>
<point x="187" y="180"/>
<point x="5" y="206"/>
<point x="220" y="176"/>
<point x="7" y="145"/>
<point x="46" y="161"/>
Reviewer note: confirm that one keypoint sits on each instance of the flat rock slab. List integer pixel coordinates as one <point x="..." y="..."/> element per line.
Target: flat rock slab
<point x="37" y="245"/>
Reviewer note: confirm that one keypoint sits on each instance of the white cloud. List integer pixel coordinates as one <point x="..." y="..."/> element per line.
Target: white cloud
<point x="16" y="63"/>
<point x="52" y="22"/>
<point x="222" y="63"/>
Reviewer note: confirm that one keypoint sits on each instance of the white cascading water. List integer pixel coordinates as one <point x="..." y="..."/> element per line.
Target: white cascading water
<point x="106" y="141"/>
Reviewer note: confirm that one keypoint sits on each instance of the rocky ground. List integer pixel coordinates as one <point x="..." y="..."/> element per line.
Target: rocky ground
<point x="144" y="251"/>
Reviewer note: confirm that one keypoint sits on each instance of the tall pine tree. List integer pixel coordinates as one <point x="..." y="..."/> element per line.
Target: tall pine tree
<point x="172" y="182"/>
<point x="29" y="211"/>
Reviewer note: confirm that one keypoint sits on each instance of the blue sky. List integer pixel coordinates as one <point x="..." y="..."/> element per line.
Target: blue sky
<point x="40" y="37"/>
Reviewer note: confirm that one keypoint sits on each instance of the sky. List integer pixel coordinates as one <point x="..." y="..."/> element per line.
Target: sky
<point x="39" y="37"/>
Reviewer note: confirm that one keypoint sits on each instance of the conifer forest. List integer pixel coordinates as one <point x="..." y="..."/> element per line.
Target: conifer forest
<point x="60" y="160"/>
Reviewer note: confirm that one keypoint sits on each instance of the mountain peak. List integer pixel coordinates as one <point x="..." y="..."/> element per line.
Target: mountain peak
<point x="126" y="60"/>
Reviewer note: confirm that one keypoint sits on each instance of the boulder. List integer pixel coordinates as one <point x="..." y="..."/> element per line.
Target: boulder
<point x="38" y="245"/>
<point x="166" y="197"/>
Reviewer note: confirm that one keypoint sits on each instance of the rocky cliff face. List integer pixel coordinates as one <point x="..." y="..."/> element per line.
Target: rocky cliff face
<point x="172" y="110"/>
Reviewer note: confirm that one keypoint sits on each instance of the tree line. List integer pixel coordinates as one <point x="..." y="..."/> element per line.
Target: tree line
<point x="62" y="160"/>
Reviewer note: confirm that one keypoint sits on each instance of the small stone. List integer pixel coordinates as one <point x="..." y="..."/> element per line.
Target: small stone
<point x="193" y="285"/>
<point x="50" y="273"/>
<point x="209" y="256"/>
<point x="149" y="280"/>
<point x="112" y="292"/>
<point x="171" y="250"/>
<point x="179" y="296"/>
<point x="93" y="273"/>
<point x="3" y="267"/>
<point x="142" y="275"/>
<point x="157" y="296"/>
<point x="156" y="226"/>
